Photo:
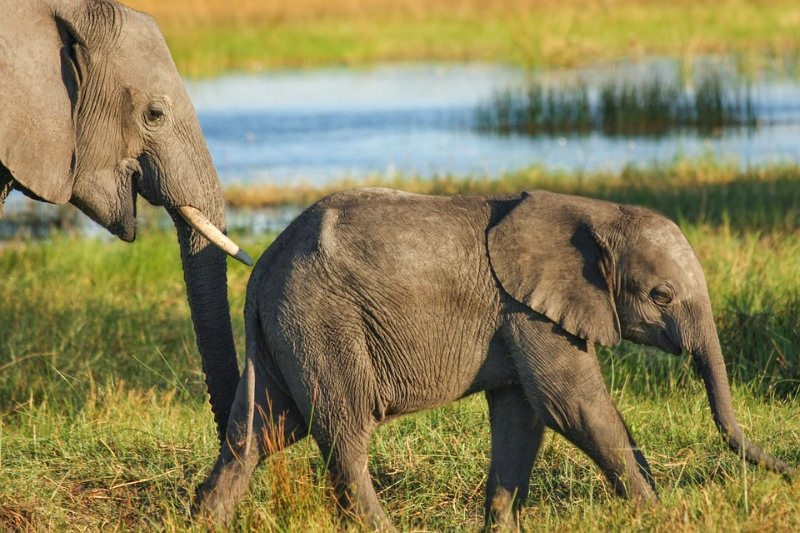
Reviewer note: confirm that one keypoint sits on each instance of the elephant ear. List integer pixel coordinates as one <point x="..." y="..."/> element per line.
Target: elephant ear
<point x="38" y="91"/>
<point x="547" y="253"/>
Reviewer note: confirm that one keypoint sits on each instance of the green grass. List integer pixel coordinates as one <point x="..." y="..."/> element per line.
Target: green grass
<point x="208" y="36"/>
<point x="104" y="422"/>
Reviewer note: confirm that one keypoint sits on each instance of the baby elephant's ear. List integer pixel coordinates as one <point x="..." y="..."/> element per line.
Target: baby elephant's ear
<point x="547" y="253"/>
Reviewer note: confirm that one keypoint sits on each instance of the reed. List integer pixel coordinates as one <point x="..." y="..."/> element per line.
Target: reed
<point x="650" y="107"/>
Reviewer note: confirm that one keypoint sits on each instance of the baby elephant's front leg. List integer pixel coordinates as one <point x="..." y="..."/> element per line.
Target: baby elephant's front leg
<point x="595" y="426"/>
<point x="561" y="374"/>
<point x="516" y="435"/>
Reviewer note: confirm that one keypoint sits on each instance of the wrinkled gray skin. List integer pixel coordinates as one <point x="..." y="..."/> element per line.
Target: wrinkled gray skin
<point x="93" y="112"/>
<point x="376" y="303"/>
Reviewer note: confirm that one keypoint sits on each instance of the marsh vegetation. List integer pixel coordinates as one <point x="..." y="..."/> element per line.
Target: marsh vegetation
<point x="653" y="106"/>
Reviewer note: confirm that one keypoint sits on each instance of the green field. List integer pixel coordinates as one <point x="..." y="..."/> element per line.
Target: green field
<point x="209" y="36"/>
<point x="104" y="422"/>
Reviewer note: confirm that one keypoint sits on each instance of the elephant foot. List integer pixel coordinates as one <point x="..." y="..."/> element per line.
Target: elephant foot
<point x="502" y="513"/>
<point x="213" y="507"/>
<point x="216" y="499"/>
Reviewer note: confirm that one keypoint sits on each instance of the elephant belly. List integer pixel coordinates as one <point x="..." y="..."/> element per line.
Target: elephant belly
<point x="418" y="366"/>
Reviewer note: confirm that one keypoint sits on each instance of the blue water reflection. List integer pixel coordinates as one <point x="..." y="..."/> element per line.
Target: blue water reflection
<point x="322" y="125"/>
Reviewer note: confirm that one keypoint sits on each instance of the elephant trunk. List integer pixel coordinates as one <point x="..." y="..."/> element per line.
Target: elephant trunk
<point x="204" y="269"/>
<point x="711" y="365"/>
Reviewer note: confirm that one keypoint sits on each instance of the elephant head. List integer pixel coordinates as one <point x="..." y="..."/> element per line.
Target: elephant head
<point x="94" y="113"/>
<point x="604" y="272"/>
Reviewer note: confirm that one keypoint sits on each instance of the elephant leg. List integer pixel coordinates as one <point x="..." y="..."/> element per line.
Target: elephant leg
<point x="516" y="436"/>
<point x="6" y="184"/>
<point x="276" y="424"/>
<point x="346" y="454"/>
<point x="339" y="398"/>
<point x="561" y="376"/>
<point x="599" y="431"/>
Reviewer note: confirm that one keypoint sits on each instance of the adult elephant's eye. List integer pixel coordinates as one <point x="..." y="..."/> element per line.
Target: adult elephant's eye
<point x="154" y="116"/>
<point x="662" y="294"/>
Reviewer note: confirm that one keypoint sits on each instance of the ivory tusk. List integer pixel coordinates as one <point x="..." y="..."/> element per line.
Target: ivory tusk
<point x="204" y="227"/>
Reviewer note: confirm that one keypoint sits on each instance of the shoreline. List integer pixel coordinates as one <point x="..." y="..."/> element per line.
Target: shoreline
<point x="691" y="191"/>
<point x="680" y="173"/>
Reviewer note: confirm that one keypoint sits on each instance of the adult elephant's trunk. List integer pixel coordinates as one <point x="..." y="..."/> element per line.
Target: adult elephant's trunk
<point x="204" y="270"/>
<point x="711" y="365"/>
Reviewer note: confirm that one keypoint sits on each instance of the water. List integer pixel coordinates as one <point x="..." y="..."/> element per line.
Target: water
<point x="323" y="125"/>
<point x="317" y="126"/>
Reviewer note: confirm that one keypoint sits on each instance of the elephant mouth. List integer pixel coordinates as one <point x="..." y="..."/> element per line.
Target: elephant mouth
<point x="125" y="229"/>
<point x="651" y="336"/>
<point x="666" y="344"/>
<point x="113" y="208"/>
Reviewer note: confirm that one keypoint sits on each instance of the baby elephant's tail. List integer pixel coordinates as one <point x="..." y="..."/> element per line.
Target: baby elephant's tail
<point x="217" y="497"/>
<point x="249" y="378"/>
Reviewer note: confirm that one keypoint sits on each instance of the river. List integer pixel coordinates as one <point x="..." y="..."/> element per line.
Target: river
<point x="316" y="126"/>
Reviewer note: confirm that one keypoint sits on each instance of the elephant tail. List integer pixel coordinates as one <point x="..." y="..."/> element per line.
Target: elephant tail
<point x="252" y="332"/>
<point x="250" y="381"/>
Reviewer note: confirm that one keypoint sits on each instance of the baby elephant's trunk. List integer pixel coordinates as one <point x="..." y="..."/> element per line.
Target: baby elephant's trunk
<point x="711" y="366"/>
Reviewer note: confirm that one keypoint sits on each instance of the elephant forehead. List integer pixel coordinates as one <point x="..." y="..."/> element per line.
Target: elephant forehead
<point x="141" y="54"/>
<point x="669" y="254"/>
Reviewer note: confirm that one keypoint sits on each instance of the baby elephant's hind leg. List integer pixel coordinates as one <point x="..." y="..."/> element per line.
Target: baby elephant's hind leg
<point x="276" y="424"/>
<point x="347" y="463"/>
<point x="342" y="424"/>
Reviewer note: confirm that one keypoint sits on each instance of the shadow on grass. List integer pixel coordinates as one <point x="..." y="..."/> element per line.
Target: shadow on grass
<point x="763" y="348"/>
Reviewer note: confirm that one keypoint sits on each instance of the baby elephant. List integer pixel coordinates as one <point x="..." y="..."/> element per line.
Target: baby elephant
<point x="376" y="303"/>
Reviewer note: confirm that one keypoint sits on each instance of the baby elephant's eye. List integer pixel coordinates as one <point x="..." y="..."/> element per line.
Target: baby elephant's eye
<point x="662" y="294"/>
<point x="154" y="116"/>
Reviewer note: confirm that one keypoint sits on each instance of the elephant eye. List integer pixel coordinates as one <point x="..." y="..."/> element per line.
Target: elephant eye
<point x="154" y="116"/>
<point x="662" y="294"/>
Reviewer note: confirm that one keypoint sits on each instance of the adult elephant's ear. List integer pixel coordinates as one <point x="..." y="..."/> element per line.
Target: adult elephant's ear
<point x="38" y="93"/>
<point x="547" y="253"/>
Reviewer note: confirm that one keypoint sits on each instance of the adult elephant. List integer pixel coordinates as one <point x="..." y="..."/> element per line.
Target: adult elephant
<point x="93" y="112"/>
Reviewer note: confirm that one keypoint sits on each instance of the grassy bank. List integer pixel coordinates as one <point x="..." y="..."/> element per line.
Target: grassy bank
<point x="210" y="36"/>
<point x="697" y="191"/>
<point x="104" y="423"/>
